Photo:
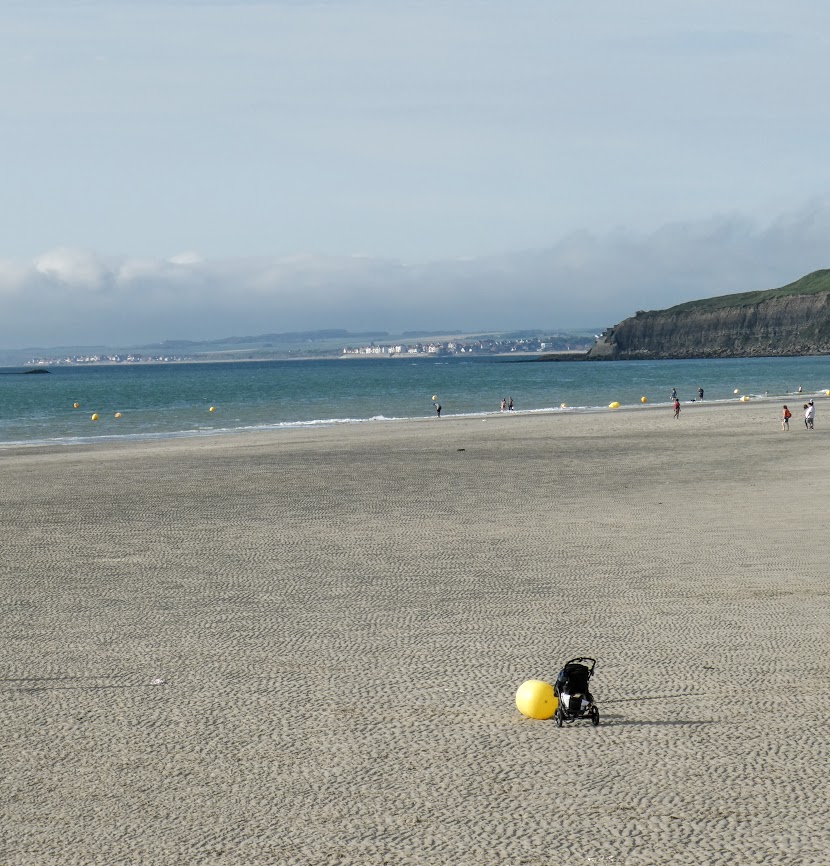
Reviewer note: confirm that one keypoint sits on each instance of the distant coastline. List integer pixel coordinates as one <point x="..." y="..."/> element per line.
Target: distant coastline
<point x="515" y="345"/>
<point x="43" y="367"/>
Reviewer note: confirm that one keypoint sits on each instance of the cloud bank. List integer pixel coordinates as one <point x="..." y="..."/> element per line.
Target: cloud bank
<point x="69" y="296"/>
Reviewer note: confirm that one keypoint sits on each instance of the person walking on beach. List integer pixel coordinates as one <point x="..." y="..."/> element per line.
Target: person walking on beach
<point x="676" y="408"/>
<point x="809" y="415"/>
<point x="785" y="418"/>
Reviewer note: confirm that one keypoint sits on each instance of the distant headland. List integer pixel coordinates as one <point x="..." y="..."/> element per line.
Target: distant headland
<point x="788" y="321"/>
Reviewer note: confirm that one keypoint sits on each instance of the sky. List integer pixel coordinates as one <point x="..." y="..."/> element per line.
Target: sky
<point x="201" y="168"/>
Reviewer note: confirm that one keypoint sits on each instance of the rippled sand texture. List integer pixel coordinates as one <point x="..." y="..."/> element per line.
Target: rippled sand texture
<point x="304" y="648"/>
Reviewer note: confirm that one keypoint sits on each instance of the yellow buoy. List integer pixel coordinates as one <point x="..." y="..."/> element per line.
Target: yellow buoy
<point x="644" y="399"/>
<point x="117" y="414"/>
<point x="536" y="700"/>
<point x="563" y="405"/>
<point x="744" y="399"/>
<point x="827" y="392"/>
<point x="212" y="409"/>
<point x="434" y="397"/>
<point x="614" y="405"/>
<point x="736" y="391"/>
<point x="95" y="417"/>
<point x="76" y="405"/>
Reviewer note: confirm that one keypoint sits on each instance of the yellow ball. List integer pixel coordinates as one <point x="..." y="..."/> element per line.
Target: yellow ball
<point x="76" y="405"/>
<point x="614" y="405"/>
<point x="827" y="392"/>
<point x="434" y="397"/>
<point x="563" y="405"/>
<point x="536" y="700"/>
<point x="212" y="409"/>
<point x="644" y="399"/>
<point x="736" y="391"/>
<point x="95" y="417"/>
<point x="117" y="414"/>
<point x="744" y="399"/>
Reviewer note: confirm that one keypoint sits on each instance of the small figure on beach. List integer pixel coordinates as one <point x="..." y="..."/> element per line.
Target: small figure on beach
<point x="438" y="409"/>
<point x="785" y="418"/>
<point x="510" y="405"/>
<point x="503" y="404"/>
<point x="700" y="393"/>
<point x="674" y="394"/>
<point x="799" y="389"/>
<point x="676" y="408"/>
<point x="809" y="415"/>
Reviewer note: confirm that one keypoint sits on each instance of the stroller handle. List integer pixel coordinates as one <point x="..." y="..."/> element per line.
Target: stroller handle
<point x="582" y="659"/>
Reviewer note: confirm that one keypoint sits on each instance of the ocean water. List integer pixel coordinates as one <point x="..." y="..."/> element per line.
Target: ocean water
<point x="168" y="400"/>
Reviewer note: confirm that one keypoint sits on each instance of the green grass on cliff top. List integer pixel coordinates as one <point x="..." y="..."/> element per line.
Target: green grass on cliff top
<point x="818" y="281"/>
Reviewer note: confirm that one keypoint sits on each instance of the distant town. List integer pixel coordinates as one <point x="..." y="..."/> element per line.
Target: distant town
<point x="377" y="346"/>
<point x="493" y="346"/>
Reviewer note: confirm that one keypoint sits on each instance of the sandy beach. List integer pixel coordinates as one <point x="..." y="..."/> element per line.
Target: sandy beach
<point x="303" y="647"/>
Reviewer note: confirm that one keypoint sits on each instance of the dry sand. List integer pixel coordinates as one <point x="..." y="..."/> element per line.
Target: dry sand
<point x="341" y="619"/>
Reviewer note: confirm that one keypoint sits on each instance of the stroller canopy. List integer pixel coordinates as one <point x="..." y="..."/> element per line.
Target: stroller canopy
<point x="573" y="678"/>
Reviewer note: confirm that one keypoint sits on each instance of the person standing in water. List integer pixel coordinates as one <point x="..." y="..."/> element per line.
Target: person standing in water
<point x="673" y="394"/>
<point x="438" y="409"/>
<point x="700" y="393"/>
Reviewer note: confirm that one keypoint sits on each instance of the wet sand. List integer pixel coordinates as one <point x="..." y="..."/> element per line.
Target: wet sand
<point x="303" y="647"/>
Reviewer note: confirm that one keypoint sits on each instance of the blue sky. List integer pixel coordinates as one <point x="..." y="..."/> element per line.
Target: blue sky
<point x="176" y="168"/>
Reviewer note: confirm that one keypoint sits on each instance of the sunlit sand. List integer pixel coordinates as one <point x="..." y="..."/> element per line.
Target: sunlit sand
<point x="304" y="647"/>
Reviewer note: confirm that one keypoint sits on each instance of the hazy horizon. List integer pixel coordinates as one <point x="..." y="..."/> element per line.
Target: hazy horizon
<point x="238" y="341"/>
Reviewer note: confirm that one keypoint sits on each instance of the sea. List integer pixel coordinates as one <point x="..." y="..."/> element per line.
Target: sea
<point x="160" y="401"/>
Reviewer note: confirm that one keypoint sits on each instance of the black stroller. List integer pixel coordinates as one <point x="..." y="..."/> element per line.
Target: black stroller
<point x="571" y="688"/>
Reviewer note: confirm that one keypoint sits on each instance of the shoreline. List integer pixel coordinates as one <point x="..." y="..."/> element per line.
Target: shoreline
<point x="278" y="428"/>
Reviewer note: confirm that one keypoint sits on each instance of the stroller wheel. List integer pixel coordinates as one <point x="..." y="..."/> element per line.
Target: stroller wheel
<point x="557" y="717"/>
<point x="594" y="716"/>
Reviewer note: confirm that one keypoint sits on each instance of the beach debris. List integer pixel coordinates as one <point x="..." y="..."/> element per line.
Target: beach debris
<point x="95" y="416"/>
<point x="536" y="700"/>
<point x="158" y="681"/>
<point x="614" y="405"/>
